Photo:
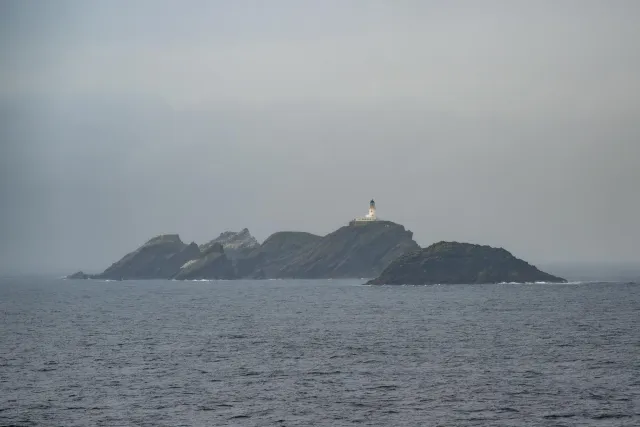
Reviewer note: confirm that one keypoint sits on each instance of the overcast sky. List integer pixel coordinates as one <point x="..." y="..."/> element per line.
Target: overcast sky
<point x="508" y="123"/>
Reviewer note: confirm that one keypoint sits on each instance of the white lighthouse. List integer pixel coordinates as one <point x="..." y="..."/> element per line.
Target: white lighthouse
<point x="372" y="209"/>
<point x="370" y="217"/>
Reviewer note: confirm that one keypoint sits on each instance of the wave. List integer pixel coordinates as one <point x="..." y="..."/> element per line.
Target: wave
<point x="543" y="283"/>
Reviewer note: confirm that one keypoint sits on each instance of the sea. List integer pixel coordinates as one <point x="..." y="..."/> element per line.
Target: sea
<point x="317" y="353"/>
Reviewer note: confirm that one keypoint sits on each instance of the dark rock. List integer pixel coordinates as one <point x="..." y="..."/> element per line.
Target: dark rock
<point x="236" y="244"/>
<point x="259" y="275"/>
<point x="460" y="263"/>
<point x="215" y="248"/>
<point x="288" y="241"/>
<point x="213" y="265"/>
<point x="79" y="275"/>
<point x="159" y="258"/>
<point x="280" y="248"/>
<point x="353" y="251"/>
<point x="190" y="252"/>
<point x="350" y="251"/>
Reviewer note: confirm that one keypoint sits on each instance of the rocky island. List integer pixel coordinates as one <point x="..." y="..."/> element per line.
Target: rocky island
<point x="460" y="263"/>
<point x="366" y="247"/>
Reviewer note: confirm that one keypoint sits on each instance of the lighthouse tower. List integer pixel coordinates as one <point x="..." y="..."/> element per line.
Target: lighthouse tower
<point x="372" y="210"/>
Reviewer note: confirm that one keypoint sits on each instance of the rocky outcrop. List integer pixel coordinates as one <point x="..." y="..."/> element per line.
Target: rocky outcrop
<point x="159" y="258"/>
<point x="212" y="265"/>
<point x="189" y="253"/>
<point x="460" y="263"/>
<point x="236" y="244"/>
<point x="350" y="251"/>
<point x="277" y="251"/>
<point x="78" y="275"/>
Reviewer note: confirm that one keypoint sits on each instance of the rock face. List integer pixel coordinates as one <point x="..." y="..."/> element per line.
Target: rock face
<point x="460" y="263"/>
<point x="213" y="264"/>
<point x="236" y="244"/>
<point x="277" y="251"/>
<point x="351" y="251"/>
<point x="159" y="258"/>
<point x="167" y="257"/>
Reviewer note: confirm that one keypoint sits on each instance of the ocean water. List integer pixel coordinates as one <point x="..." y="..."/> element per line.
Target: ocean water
<point x="330" y="353"/>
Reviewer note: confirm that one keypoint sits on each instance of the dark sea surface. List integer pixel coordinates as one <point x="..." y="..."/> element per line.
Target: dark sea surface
<point x="331" y="353"/>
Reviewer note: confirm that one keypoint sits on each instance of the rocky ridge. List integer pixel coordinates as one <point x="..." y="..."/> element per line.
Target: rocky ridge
<point x="235" y="244"/>
<point x="460" y="263"/>
<point x="350" y="251"/>
<point x="160" y="257"/>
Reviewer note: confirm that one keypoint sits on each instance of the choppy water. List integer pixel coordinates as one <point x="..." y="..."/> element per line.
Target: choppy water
<point x="301" y="353"/>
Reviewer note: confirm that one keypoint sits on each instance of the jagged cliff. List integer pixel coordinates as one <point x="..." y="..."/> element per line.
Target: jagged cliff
<point x="213" y="264"/>
<point x="460" y="263"/>
<point x="235" y="244"/>
<point x="159" y="258"/>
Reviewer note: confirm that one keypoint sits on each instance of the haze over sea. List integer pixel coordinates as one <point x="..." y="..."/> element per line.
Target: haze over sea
<point x="300" y="353"/>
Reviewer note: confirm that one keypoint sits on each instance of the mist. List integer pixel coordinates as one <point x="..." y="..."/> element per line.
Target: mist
<point x="504" y="123"/>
